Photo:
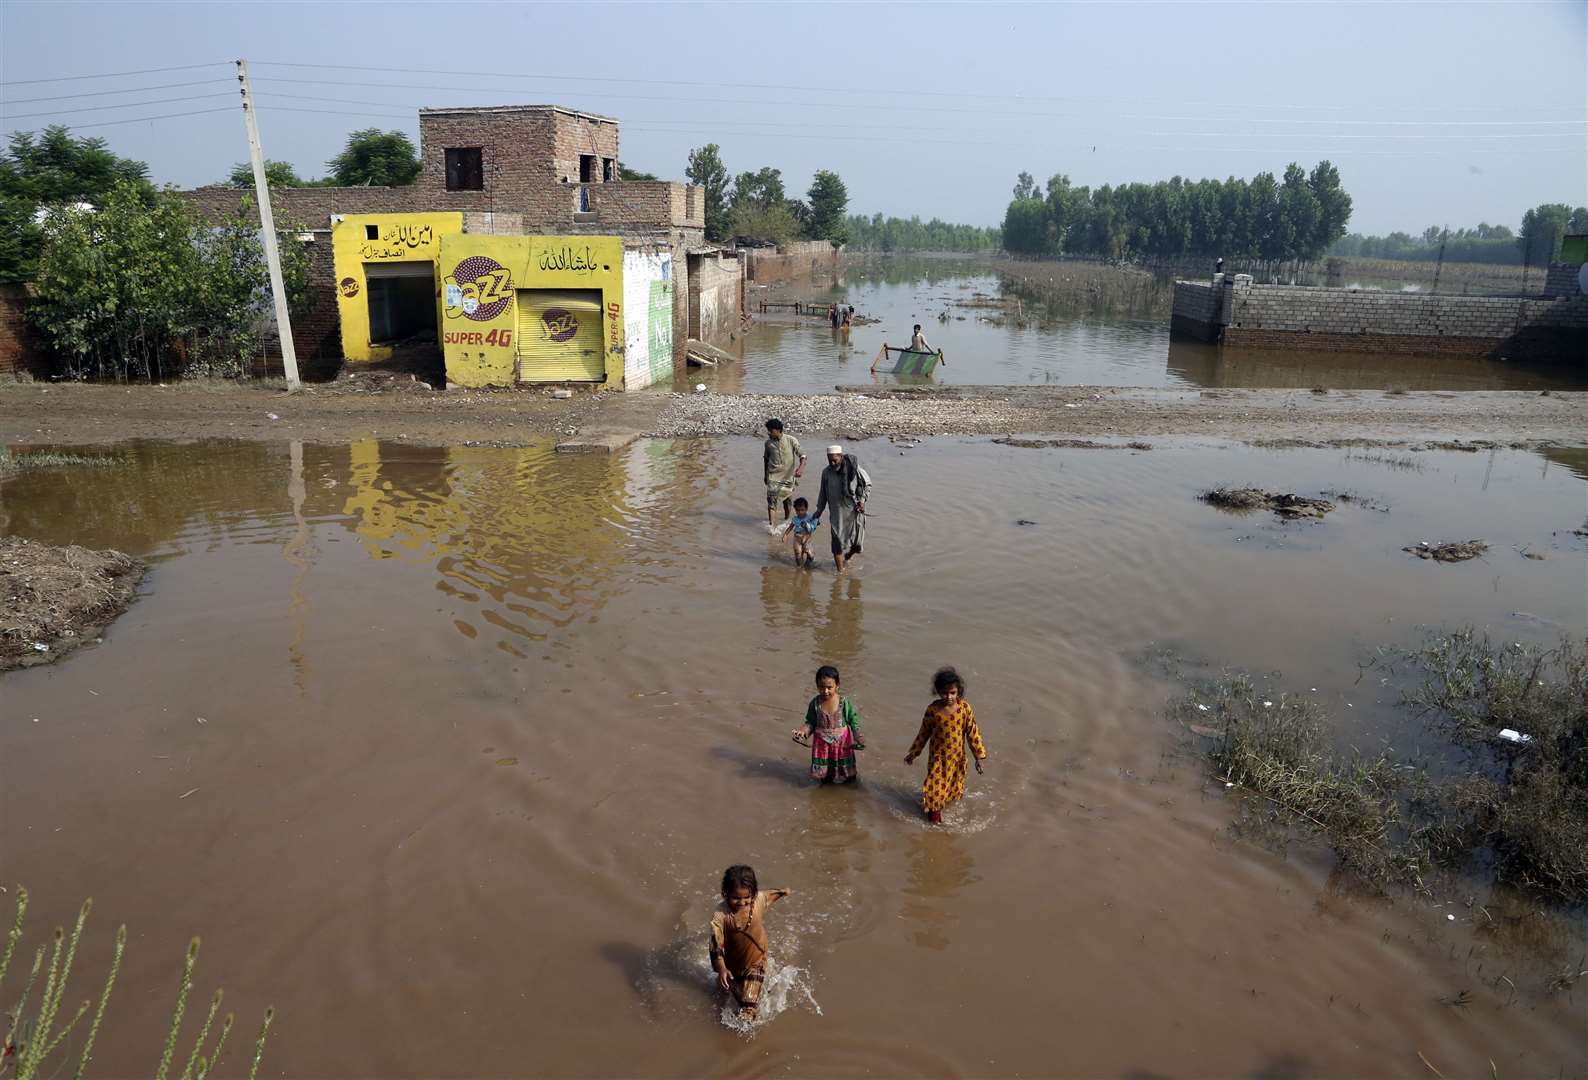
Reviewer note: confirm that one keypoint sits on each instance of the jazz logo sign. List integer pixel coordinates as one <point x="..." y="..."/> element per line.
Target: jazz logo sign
<point x="478" y="288"/>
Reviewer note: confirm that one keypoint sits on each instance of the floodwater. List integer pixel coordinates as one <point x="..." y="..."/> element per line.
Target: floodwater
<point x="442" y="751"/>
<point x="1022" y="343"/>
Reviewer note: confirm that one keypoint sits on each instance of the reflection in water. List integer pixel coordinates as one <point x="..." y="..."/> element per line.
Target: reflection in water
<point x="300" y="554"/>
<point x="1220" y="366"/>
<point x="940" y="866"/>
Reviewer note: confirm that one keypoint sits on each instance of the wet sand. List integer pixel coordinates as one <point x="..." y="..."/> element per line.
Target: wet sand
<point x="32" y="414"/>
<point x="482" y="726"/>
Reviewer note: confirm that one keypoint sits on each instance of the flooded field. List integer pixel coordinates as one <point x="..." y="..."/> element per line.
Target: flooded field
<point x="443" y="751"/>
<point x="990" y="338"/>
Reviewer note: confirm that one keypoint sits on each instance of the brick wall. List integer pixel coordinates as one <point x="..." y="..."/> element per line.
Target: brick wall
<point x="1562" y="280"/>
<point x="520" y="149"/>
<point x="1196" y="311"/>
<point x="1301" y="310"/>
<point x="790" y="260"/>
<point x="716" y="287"/>
<point x="18" y="351"/>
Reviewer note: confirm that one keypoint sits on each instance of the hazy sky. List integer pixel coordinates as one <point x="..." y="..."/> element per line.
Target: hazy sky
<point x="1442" y="113"/>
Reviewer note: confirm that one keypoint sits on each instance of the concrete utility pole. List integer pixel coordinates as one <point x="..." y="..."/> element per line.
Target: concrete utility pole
<point x="267" y="223"/>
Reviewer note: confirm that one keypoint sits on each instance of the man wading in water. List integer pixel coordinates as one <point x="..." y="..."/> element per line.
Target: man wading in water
<point x="782" y="464"/>
<point x="844" y="488"/>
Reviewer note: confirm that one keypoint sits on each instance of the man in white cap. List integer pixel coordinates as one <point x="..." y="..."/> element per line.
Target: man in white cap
<point x="843" y="488"/>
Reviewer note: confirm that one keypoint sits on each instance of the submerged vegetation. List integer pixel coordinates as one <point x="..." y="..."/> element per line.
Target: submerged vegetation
<point x="1516" y="807"/>
<point x="34" y="1027"/>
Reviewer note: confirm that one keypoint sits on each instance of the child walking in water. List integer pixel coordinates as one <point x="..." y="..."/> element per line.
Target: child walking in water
<point x="831" y="730"/>
<point x="949" y="723"/>
<point x="800" y="527"/>
<point x="738" y="938"/>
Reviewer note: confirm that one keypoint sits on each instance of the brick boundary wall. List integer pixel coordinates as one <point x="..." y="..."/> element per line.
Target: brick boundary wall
<point x="1299" y="317"/>
<point x="18" y="353"/>
<point x="1561" y="280"/>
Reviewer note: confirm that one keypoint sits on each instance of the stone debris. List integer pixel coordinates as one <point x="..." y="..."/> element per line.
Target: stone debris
<point x="1287" y="506"/>
<point x="1459" y="551"/>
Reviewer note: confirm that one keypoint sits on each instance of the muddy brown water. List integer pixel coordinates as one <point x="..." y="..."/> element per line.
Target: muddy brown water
<point x="1118" y="345"/>
<point x="481" y="728"/>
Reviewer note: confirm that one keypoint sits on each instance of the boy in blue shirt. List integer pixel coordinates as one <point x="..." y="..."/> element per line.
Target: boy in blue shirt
<point x="800" y="527"/>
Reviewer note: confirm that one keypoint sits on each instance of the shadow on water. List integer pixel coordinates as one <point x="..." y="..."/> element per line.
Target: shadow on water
<point x="1213" y="366"/>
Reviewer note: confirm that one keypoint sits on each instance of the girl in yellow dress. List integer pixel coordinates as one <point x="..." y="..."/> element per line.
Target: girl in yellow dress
<point x="949" y="724"/>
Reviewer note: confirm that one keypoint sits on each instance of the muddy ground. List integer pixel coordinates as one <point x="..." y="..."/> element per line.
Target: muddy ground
<point x="396" y="409"/>
<point x="53" y="599"/>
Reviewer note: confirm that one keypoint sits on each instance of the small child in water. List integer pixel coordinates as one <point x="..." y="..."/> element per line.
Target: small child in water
<point x="831" y="730"/>
<point x="738" y="937"/>
<point x="800" y="527"/>
<point x="949" y="724"/>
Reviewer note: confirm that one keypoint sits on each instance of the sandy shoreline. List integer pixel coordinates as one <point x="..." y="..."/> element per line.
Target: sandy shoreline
<point x="75" y="414"/>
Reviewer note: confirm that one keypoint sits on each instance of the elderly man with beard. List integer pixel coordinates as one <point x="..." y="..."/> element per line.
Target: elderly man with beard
<point x="844" y="485"/>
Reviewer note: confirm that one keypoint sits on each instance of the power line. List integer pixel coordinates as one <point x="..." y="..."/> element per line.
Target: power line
<point x="127" y="105"/>
<point x="162" y="116"/>
<point x="851" y="108"/>
<point x="912" y="91"/>
<point x="108" y="93"/>
<point x="112" y="74"/>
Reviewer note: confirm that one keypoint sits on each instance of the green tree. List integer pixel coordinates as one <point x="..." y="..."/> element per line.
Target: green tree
<point x="1543" y="228"/>
<point x="1025" y="229"/>
<point x="762" y="190"/>
<point x="828" y="199"/>
<point x="772" y="225"/>
<point x="1334" y="207"/>
<point x="1025" y="187"/>
<point x="278" y="174"/>
<point x="53" y="169"/>
<point x="145" y="289"/>
<point x="375" y="158"/>
<point x="626" y="173"/>
<point x="707" y="172"/>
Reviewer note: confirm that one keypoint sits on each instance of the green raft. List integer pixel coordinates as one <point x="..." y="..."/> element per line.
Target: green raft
<point x="910" y="361"/>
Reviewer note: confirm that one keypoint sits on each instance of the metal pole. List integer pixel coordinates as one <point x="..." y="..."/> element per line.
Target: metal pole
<point x="267" y="224"/>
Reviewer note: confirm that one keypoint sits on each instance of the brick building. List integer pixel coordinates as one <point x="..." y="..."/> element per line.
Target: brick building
<point x="509" y="170"/>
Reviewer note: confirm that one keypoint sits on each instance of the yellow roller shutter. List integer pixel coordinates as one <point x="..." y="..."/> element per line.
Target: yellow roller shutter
<point x="559" y="336"/>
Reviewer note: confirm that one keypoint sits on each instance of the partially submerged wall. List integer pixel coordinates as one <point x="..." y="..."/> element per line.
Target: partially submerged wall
<point x="791" y="260"/>
<point x="1300" y="317"/>
<point x="716" y="291"/>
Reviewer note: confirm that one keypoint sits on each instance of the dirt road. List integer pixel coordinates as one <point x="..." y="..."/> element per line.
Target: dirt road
<point x="395" y="409"/>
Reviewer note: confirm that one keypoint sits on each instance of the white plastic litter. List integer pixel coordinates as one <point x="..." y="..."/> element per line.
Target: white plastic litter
<point x="1512" y="735"/>
<point x="39" y="646"/>
<point x="562" y="395"/>
<point x="1268" y="704"/>
<point x="1204" y="708"/>
<point x="272" y="416"/>
<point x="700" y="388"/>
<point x="1452" y="918"/>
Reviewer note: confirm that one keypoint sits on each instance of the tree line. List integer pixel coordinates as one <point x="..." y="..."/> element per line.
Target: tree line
<point x="1296" y="217"/>
<point x="755" y="205"/>
<point x="1535" y="244"/>
<point x="878" y="233"/>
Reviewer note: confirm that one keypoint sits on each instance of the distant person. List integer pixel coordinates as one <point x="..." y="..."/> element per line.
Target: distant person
<point x="844" y="488"/>
<point x="800" y="527"/>
<point x="831" y="730"/>
<point x="832" y="315"/>
<point x="782" y="465"/>
<point x="949" y="724"/>
<point x="849" y="314"/>
<point x="918" y="342"/>
<point x="738" y="943"/>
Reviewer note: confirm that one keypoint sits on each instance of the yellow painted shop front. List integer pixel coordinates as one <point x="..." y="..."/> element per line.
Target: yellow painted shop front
<point x="532" y="309"/>
<point x="388" y="287"/>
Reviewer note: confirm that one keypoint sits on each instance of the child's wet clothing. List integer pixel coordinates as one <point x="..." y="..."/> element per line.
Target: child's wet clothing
<point x="802" y="525"/>
<point x="949" y="727"/>
<point x="739" y="938"/>
<point x="834" y="739"/>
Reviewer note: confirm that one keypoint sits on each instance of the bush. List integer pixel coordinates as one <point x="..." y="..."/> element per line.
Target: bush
<point x="145" y="289"/>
